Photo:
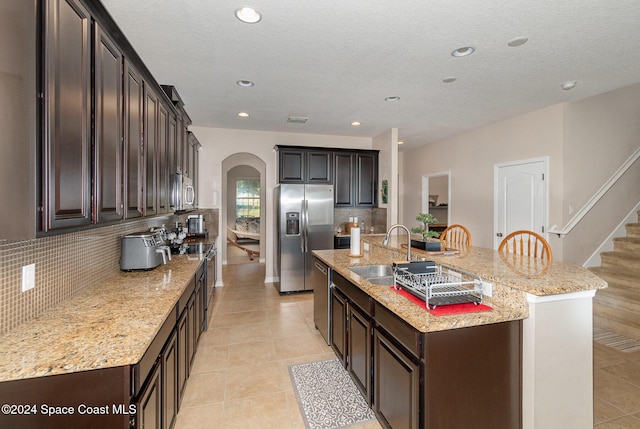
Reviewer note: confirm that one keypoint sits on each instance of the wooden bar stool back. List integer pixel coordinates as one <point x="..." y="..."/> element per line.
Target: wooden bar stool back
<point x="526" y="243"/>
<point x="456" y="236"/>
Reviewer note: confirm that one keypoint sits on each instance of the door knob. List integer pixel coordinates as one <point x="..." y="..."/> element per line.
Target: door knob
<point x="499" y="234"/>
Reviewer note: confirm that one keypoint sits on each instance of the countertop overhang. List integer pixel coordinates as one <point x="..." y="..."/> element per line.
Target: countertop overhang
<point x="510" y="287"/>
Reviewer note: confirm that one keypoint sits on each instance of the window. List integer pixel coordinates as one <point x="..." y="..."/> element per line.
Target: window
<point x="247" y="198"/>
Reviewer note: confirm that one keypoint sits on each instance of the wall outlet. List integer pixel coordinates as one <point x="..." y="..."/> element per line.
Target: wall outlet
<point x="487" y="289"/>
<point x="28" y="277"/>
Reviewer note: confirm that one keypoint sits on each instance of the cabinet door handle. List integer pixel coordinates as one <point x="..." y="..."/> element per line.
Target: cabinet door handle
<point x="499" y="234"/>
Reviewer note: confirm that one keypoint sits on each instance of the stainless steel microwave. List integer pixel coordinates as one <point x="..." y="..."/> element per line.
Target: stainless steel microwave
<point x="184" y="194"/>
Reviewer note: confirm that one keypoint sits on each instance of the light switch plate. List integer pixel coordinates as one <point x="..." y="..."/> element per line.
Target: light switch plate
<point x="28" y="277"/>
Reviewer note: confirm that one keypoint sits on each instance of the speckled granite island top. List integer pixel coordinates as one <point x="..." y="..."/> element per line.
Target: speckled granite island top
<point x="509" y="301"/>
<point x="107" y="324"/>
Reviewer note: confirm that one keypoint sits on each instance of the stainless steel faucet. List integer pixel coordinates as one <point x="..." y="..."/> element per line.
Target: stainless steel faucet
<point x="391" y="228"/>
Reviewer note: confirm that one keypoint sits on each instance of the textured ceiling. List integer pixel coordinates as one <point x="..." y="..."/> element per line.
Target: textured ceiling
<point x="334" y="61"/>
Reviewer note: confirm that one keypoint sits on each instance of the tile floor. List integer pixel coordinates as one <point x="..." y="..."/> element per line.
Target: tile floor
<point x="240" y="375"/>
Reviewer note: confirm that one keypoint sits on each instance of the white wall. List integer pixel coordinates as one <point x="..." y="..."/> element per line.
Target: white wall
<point x="586" y="142"/>
<point x="220" y="143"/>
<point x="470" y="158"/>
<point x="387" y="144"/>
<point x="600" y="133"/>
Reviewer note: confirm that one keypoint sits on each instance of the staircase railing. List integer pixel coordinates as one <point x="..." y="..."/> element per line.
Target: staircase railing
<point x="596" y="197"/>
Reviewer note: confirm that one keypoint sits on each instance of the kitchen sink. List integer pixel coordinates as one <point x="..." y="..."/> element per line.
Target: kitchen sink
<point x="371" y="271"/>
<point x="376" y="274"/>
<point x="382" y="281"/>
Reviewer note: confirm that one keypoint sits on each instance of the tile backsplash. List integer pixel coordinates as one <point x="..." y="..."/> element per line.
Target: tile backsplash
<point x="65" y="264"/>
<point x="372" y="217"/>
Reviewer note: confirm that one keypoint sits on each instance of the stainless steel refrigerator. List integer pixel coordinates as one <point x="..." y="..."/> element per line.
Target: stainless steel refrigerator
<point x="305" y="222"/>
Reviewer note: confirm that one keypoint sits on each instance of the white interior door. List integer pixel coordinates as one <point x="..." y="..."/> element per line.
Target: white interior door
<point x="520" y="201"/>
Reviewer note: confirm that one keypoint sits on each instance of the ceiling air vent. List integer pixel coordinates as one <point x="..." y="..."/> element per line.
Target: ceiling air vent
<point x="297" y="119"/>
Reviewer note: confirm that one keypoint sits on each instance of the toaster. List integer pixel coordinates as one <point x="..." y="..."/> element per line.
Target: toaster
<point x="143" y="250"/>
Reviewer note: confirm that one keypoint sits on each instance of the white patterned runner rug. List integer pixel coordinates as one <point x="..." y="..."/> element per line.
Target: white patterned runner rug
<point x="327" y="397"/>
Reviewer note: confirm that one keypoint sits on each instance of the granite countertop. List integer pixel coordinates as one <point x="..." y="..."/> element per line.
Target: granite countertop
<point x="508" y="301"/>
<point x="523" y="274"/>
<point x="107" y="324"/>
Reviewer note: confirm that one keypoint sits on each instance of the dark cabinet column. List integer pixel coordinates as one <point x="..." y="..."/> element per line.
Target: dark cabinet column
<point x="183" y="354"/>
<point x="150" y="144"/>
<point x="319" y="167"/>
<point x="108" y="129"/>
<point x="163" y="159"/>
<point x="170" y="382"/>
<point x="133" y="160"/>
<point x="366" y="180"/>
<point x="149" y="404"/>
<point x="339" y="325"/>
<point x="291" y="166"/>
<point x="67" y="127"/>
<point x="359" y="350"/>
<point x="344" y="163"/>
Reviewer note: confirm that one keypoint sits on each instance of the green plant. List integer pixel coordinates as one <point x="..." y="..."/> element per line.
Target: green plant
<point x="426" y="219"/>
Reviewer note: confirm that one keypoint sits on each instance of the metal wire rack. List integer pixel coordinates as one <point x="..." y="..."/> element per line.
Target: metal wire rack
<point x="439" y="284"/>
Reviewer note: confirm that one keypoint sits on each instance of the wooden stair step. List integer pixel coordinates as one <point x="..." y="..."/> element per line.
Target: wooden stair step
<point x="624" y="261"/>
<point x="621" y="278"/>
<point x="627" y="244"/>
<point x="633" y="229"/>
<point x="617" y="320"/>
<point x="627" y="299"/>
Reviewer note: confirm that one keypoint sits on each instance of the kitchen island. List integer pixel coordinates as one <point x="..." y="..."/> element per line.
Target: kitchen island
<point x="116" y="353"/>
<point x="555" y="309"/>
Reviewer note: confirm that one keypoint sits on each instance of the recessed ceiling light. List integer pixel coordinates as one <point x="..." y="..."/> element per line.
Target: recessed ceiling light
<point x="355" y="123"/>
<point x="569" y="85"/>
<point x="243" y="114"/>
<point x="392" y="98"/>
<point x="464" y="51"/>
<point x="248" y="15"/>
<point x="401" y="142"/>
<point x="449" y="79"/>
<point x="245" y="83"/>
<point x="518" y="41"/>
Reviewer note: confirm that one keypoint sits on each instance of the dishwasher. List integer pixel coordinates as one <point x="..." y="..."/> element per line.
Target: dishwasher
<point x="321" y="280"/>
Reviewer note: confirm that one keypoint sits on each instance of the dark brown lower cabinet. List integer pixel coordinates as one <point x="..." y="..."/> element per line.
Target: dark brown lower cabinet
<point x="359" y="332"/>
<point x="183" y="354"/>
<point x="479" y="367"/>
<point x="455" y="379"/>
<point x="396" y="384"/>
<point x="339" y="325"/>
<point x="170" y="382"/>
<point x="93" y="390"/>
<point x="149" y="403"/>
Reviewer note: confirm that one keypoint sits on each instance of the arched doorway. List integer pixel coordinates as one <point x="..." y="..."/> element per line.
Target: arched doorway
<point x="243" y="209"/>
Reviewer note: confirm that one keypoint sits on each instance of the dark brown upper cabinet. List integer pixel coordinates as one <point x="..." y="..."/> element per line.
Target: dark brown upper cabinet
<point x="356" y="179"/>
<point x="108" y="129"/>
<point x="291" y="165"/>
<point x="163" y="191"/>
<point x="343" y="183"/>
<point x="354" y="173"/>
<point x="90" y="137"/>
<point x="150" y="144"/>
<point x="133" y="141"/>
<point x="366" y="183"/>
<point x="66" y="160"/>
<point x="305" y="165"/>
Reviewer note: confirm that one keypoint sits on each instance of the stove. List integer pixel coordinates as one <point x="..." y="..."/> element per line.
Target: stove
<point x="190" y="248"/>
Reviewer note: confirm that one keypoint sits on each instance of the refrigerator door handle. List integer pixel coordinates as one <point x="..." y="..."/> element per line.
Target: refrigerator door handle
<point x="305" y="233"/>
